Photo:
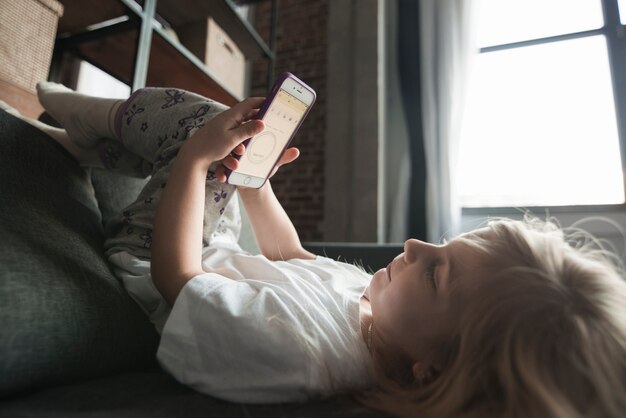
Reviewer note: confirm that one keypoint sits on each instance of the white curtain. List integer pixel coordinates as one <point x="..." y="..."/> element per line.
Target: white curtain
<point x="447" y="49"/>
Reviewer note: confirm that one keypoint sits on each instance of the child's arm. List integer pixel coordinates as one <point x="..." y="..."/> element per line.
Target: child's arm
<point x="177" y="236"/>
<point x="274" y="231"/>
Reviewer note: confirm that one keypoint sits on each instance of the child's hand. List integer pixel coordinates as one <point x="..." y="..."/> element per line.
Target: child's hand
<point x="225" y="132"/>
<point x="232" y="163"/>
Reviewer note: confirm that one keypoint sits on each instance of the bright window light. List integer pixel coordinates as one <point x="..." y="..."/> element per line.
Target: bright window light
<point x="507" y="21"/>
<point x="541" y="128"/>
<point x="622" y="11"/>
<point x="95" y="82"/>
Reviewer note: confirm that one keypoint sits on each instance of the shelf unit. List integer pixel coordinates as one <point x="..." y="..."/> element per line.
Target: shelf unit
<point x="129" y="40"/>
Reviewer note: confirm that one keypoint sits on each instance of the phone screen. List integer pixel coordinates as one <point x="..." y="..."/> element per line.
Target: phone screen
<point x="281" y="120"/>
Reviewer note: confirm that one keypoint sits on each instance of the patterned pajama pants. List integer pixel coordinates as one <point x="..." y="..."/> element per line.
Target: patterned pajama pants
<point x="151" y="127"/>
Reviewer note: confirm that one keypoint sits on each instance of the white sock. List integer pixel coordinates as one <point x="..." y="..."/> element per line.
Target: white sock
<point x="85" y="118"/>
<point x="9" y="109"/>
<point x="85" y="157"/>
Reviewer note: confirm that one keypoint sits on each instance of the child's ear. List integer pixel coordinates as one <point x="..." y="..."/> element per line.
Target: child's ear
<point x="424" y="373"/>
<point x="419" y="370"/>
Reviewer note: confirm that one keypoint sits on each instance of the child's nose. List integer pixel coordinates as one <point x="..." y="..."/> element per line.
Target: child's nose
<point x="414" y="247"/>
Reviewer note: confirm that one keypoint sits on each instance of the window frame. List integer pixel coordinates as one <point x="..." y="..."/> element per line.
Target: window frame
<point x="615" y="34"/>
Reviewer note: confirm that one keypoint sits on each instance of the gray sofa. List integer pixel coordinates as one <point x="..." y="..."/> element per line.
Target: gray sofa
<point x="72" y="342"/>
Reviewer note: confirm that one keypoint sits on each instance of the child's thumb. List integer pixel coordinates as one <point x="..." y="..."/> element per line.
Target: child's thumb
<point x="248" y="129"/>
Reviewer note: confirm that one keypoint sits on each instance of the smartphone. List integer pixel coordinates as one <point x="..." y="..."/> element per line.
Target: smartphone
<point x="283" y="111"/>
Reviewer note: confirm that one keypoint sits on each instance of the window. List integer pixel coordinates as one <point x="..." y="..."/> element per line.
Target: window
<point x="542" y="122"/>
<point x="95" y="82"/>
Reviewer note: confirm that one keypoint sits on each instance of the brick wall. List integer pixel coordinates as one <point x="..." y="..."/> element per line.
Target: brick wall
<point x="301" y="48"/>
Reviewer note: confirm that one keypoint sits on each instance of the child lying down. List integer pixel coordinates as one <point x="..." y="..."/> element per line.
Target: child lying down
<point x="514" y="319"/>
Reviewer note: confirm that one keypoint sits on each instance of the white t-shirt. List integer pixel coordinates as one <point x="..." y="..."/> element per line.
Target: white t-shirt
<point x="259" y="331"/>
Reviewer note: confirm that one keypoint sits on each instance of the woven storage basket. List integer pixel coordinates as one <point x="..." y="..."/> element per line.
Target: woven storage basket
<point x="27" y="32"/>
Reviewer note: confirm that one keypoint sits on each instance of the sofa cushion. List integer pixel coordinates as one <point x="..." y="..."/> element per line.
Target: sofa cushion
<point x="114" y="192"/>
<point x="64" y="316"/>
<point x="157" y="395"/>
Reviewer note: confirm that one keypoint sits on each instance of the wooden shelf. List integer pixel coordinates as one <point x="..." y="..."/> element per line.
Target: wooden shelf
<point x="169" y="65"/>
<point x="79" y="14"/>
<point x="180" y="12"/>
<point x="113" y="48"/>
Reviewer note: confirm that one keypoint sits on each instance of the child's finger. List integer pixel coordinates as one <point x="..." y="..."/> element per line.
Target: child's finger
<point x="220" y="174"/>
<point x="252" y="114"/>
<point x="247" y="130"/>
<point x="236" y="115"/>
<point x="250" y="103"/>
<point x="288" y="156"/>
<point x="230" y="162"/>
<point x="239" y="149"/>
<point x="245" y="106"/>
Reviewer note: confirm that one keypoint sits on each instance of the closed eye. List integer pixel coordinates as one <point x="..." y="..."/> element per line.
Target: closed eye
<point x="431" y="276"/>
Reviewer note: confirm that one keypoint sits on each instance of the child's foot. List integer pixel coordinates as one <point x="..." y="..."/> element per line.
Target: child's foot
<point x="9" y="109"/>
<point x="86" y="119"/>
<point x="85" y="157"/>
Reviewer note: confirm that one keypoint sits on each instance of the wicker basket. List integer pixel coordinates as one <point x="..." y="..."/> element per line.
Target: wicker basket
<point x="27" y="32"/>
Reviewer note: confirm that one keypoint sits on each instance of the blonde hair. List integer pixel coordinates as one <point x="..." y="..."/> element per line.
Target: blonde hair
<point x="544" y="335"/>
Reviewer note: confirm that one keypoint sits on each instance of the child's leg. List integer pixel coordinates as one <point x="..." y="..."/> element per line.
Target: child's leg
<point x="86" y="157"/>
<point x="153" y="123"/>
<point x="89" y="133"/>
<point x="86" y="119"/>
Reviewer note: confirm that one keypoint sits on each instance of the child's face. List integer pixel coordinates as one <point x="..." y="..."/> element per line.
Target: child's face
<point x="412" y="305"/>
